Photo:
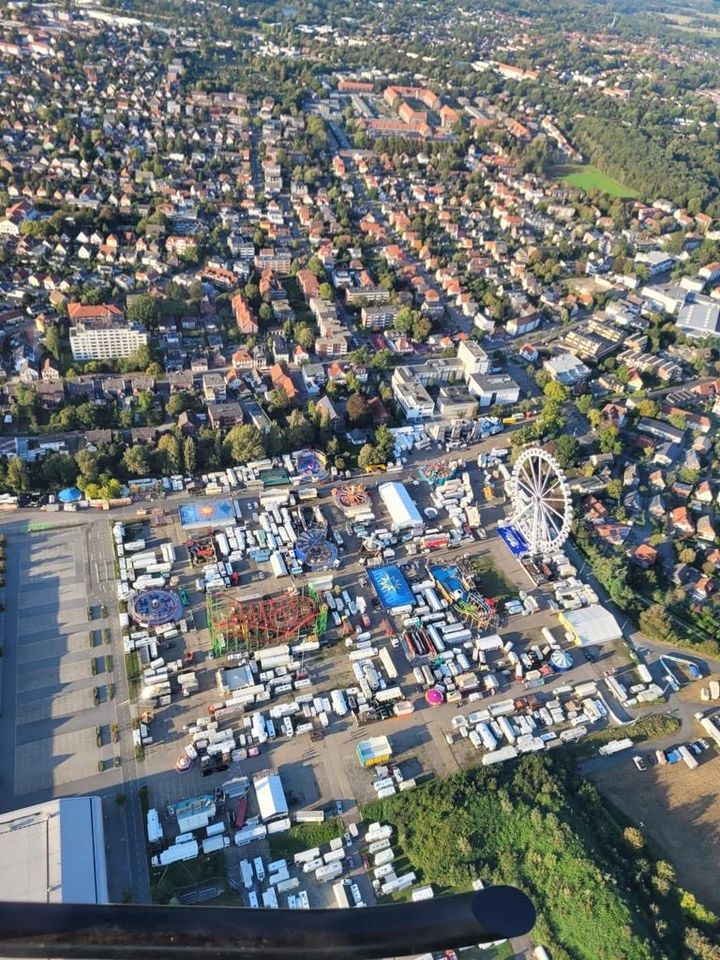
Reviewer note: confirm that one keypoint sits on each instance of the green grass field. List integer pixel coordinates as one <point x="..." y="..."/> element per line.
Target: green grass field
<point x="587" y="177"/>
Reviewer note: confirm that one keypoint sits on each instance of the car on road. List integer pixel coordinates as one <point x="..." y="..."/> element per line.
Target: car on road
<point x="640" y="763"/>
<point x="339" y="807"/>
<point x="394" y="642"/>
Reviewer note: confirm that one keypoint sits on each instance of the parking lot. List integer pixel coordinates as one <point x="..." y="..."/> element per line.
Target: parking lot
<point x="48" y="742"/>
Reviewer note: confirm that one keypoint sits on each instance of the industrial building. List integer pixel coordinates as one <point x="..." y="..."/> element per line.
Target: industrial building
<point x="270" y="795"/>
<point x="401" y="507"/>
<point x="591" y="625"/>
<point x="54" y="852"/>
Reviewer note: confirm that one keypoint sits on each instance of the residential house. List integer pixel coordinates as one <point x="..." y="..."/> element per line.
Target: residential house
<point x="214" y="388"/>
<point x="325" y="408"/>
<point x="244" y="317"/>
<point x="281" y="380"/>
<point x="681" y="522"/>
<point x="222" y="416"/>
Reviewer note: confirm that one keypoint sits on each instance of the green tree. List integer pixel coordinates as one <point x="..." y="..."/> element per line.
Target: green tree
<point x="421" y="328"/>
<point x="566" y="450"/>
<point x="357" y="409"/>
<point x="614" y="489"/>
<point x="136" y="460"/>
<point x="300" y="431"/>
<point x="144" y="310"/>
<point x="325" y="291"/>
<point x="315" y="265"/>
<point x="655" y="622"/>
<point x="190" y="455"/>
<point x="244" y="443"/>
<point x="18" y="479"/>
<point x="278" y="399"/>
<point x="59" y="470"/>
<point x="557" y="392"/>
<point x="169" y="447"/>
<point x="403" y="321"/>
<point x="87" y="464"/>
<point x="52" y="341"/>
<point x="382" y="360"/>
<point x="609" y="440"/>
<point x="368" y="457"/>
<point x="384" y="444"/>
<point x="178" y="403"/>
<point x="304" y="336"/>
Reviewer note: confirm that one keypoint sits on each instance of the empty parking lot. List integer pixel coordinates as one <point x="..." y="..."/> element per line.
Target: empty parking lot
<point x="49" y="714"/>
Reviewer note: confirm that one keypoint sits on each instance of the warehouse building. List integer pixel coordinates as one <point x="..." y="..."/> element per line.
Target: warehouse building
<point x="401" y="507"/>
<point x="591" y="625"/>
<point x="54" y="852"/>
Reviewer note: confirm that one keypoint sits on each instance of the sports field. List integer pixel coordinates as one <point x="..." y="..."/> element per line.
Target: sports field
<point x="587" y="177"/>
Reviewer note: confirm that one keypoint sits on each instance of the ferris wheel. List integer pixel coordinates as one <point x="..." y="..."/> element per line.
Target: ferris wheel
<point x="542" y="507"/>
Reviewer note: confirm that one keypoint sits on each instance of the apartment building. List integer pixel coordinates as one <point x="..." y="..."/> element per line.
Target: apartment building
<point x="101" y="333"/>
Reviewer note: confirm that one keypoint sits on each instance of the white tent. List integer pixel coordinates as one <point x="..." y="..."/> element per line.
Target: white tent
<point x="270" y="796"/>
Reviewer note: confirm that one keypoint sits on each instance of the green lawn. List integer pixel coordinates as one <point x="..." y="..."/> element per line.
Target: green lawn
<point x="304" y="836"/>
<point x="491" y="581"/>
<point x="587" y="177"/>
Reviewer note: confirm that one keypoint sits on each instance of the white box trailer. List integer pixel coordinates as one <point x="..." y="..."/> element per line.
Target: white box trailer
<point x="277" y="564"/>
<point x="329" y="871"/>
<point x="176" y="853"/>
<point x="384" y="856"/>
<point x="378" y="831"/>
<point x="154" y="827"/>
<point x="305" y="856"/>
<point x="213" y="844"/>
<point x="309" y="816"/>
<point x="499" y="756"/>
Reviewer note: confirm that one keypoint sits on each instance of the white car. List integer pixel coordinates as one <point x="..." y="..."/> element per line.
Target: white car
<point x="640" y="763"/>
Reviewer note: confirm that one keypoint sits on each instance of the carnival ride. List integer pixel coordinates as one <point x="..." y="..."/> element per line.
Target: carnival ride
<point x="314" y="550"/>
<point x="155" y="607"/>
<point x="311" y="466"/>
<point x="542" y="506"/>
<point x="352" y="497"/>
<point x="437" y="472"/>
<point x="239" y="625"/>
<point x="457" y="585"/>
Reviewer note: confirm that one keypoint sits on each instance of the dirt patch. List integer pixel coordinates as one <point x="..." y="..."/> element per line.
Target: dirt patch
<point x="680" y="812"/>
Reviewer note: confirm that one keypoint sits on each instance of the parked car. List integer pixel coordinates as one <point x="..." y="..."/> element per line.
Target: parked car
<point x="640" y="763"/>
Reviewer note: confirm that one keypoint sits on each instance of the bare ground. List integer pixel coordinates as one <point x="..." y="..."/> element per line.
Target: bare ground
<point x="680" y="811"/>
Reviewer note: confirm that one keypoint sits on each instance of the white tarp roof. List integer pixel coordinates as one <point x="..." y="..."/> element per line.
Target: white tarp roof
<point x="593" y="624"/>
<point x="270" y="796"/>
<point x="400" y="505"/>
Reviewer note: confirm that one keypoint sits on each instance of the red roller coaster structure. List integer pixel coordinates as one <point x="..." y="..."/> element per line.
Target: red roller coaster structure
<point x="237" y="623"/>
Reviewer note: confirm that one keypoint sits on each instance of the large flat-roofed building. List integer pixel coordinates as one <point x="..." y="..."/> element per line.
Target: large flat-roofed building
<point x="54" y="852"/>
<point x="106" y="339"/>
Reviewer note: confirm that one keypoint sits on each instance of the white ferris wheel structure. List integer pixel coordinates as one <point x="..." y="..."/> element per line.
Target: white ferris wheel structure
<point x="541" y="501"/>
